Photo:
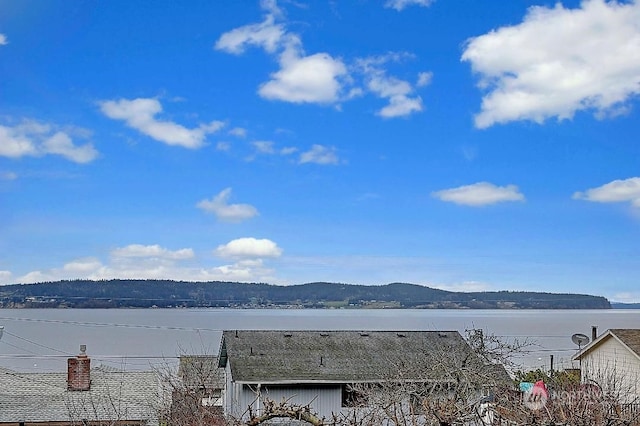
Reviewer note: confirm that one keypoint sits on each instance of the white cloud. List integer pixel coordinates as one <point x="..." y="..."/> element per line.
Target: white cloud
<point x="321" y="78"/>
<point x="32" y="138"/>
<point x="266" y="34"/>
<point x="83" y="266"/>
<point x="401" y="4"/>
<point x="301" y="79"/>
<point x="219" y="206"/>
<point x="398" y="92"/>
<point x="5" y="277"/>
<point x="288" y="150"/>
<point x="424" y="79"/>
<point x="263" y="147"/>
<point x="60" y="143"/>
<point x="306" y="79"/>
<point x="480" y="194"/>
<point x="140" y="114"/>
<point x="618" y="191"/>
<point x="155" y="262"/>
<point x="151" y="251"/>
<point x="248" y="248"/>
<point x="626" y="297"/>
<point x="466" y="286"/>
<point x="319" y="154"/>
<point x="559" y="61"/>
<point x="3" y="40"/>
<point x="238" y="132"/>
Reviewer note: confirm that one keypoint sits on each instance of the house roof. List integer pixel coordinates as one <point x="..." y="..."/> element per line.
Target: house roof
<point x="628" y="337"/>
<point x="43" y="397"/>
<point x="342" y="356"/>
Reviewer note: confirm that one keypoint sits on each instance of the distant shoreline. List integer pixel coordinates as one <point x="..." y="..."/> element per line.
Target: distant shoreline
<point x="319" y="295"/>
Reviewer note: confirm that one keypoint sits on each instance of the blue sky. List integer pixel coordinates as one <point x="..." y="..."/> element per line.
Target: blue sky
<point x="465" y="145"/>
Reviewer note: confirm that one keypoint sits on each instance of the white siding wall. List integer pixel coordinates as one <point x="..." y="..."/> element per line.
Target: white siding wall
<point x="614" y="368"/>
<point x="324" y="400"/>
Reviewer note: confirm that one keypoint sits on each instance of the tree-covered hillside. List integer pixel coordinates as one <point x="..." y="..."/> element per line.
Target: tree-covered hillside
<point x="165" y="293"/>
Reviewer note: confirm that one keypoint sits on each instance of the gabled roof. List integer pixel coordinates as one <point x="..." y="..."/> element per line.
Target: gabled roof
<point x="272" y="357"/>
<point x="43" y="397"/>
<point x="628" y="337"/>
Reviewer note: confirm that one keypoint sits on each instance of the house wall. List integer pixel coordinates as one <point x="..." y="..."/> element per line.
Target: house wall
<point x="614" y="368"/>
<point x="323" y="400"/>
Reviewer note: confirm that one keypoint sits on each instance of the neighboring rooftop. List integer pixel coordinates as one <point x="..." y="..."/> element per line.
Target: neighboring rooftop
<point x="44" y="397"/>
<point x="630" y="337"/>
<point x="342" y="356"/>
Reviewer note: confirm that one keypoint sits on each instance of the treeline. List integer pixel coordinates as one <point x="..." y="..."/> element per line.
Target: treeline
<point x="171" y="294"/>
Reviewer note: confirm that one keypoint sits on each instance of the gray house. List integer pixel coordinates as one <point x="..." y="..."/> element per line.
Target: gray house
<point x="79" y="396"/>
<point x="324" y="369"/>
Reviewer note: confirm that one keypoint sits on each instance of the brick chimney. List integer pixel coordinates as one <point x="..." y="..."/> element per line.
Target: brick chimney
<point x="79" y="371"/>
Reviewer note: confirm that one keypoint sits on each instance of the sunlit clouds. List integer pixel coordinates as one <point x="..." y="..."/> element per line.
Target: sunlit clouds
<point x="320" y="154"/>
<point x="220" y="207"/>
<point x="557" y="62"/>
<point x="138" y="261"/>
<point x="140" y="114"/>
<point x="321" y="78"/>
<point x="399" y="5"/>
<point x="618" y="191"/>
<point x="480" y="194"/>
<point x="249" y="248"/>
<point x="36" y="139"/>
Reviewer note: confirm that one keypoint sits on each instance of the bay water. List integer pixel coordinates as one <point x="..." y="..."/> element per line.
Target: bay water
<point x="140" y="339"/>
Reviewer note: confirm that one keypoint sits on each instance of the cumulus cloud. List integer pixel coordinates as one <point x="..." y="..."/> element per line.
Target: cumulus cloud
<point x="618" y="191"/>
<point x="137" y="261"/>
<point x="320" y="154"/>
<point x="32" y="138"/>
<point x="224" y="211"/>
<point x="558" y="61"/>
<point x="301" y="78"/>
<point x="266" y="34"/>
<point x="321" y="78"/>
<point x="401" y="4"/>
<point x="480" y="194"/>
<point x="399" y="93"/>
<point x="151" y="251"/>
<point x="3" y="40"/>
<point x="140" y="114"/>
<point x="248" y="248"/>
<point x="305" y="79"/>
<point x="5" y="277"/>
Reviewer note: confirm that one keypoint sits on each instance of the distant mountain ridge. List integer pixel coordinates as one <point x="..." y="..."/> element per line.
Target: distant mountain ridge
<point x="167" y="293"/>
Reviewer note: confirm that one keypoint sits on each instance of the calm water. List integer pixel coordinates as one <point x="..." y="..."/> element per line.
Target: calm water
<point x="41" y="340"/>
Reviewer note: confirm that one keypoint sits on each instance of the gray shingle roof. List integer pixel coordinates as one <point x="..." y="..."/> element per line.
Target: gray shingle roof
<point x="338" y="356"/>
<point x="43" y="397"/>
<point x="630" y="337"/>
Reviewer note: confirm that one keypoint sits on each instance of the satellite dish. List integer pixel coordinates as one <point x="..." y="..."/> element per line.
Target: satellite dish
<point x="580" y="339"/>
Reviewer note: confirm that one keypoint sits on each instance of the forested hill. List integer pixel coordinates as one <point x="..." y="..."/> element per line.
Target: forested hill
<point x="165" y="294"/>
